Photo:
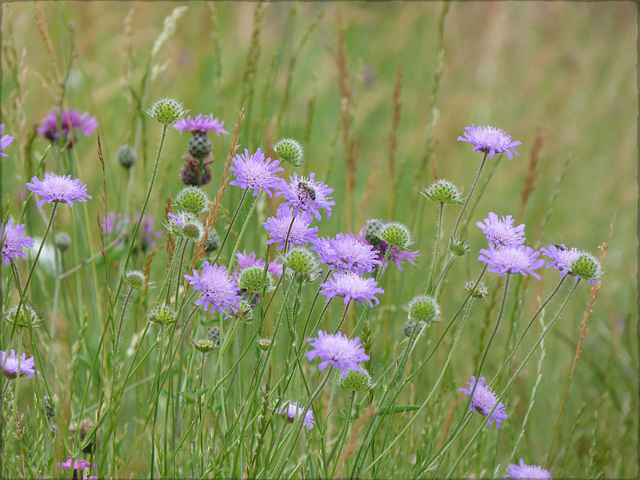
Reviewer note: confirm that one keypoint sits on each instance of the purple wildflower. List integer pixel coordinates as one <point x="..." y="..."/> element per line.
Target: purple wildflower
<point x="114" y="223"/>
<point x="200" y="123"/>
<point x="515" y="259"/>
<point x="12" y="365"/>
<point x="217" y="289"/>
<point x="292" y="410"/>
<point x="13" y="241"/>
<point x="58" y="188"/>
<point x="5" y="141"/>
<point x="347" y="252"/>
<point x="490" y="140"/>
<point x="245" y="261"/>
<point x="253" y="171"/>
<point x="527" y="471"/>
<point x="396" y="255"/>
<point x="561" y="257"/>
<point x="351" y="286"/>
<point x="77" y="468"/>
<point x="307" y="195"/>
<point x="278" y="228"/>
<point x="146" y="232"/>
<point x="484" y="400"/>
<point x="71" y="121"/>
<point x="502" y="233"/>
<point x="337" y="350"/>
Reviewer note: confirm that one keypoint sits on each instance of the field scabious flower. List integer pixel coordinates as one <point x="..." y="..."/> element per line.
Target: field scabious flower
<point x="69" y="121"/>
<point x="5" y="141"/>
<point x="292" y="410"/>
<point x="527" y="471"/>
<point x="200" y="123"/>
<point x="278" y="228"/>
<point x="346" y="252"/>
<point x="13" y="366"/>
<point x="253" y="171"/>
<point x="58" y="188"/>
<point x="219" y="292"/>
<point x="514" y="259"/>
<point x="307" y="195"/>
<point x="351" y="286"/>
<point x="13" y="241"/>
<point x="561" y="257"/>
<point x="484" y="400"/>
<point x="502" y="233"/>
<point x="369" y="234"/>
<point x="489" y="140"/>
<point x="338" y="351"/>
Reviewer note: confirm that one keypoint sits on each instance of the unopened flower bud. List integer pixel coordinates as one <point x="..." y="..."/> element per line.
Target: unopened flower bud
<point x="62" y="241"/>
<point x="255" y="280"/>
<point x="126" y="156"/>
<point x="458" y="247"/>
<point x="357" y="381"/>
<point x="134" y="278"/>
<point x="290" y="151"/>
<point x="423" y="308"/>
<point x="396" y="234"/>
<point x="372" y="231"/>
<point x="443" y="191"/>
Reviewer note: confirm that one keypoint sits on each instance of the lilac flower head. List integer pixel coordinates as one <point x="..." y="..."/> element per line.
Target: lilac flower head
<point x="114" y="223"/>
<point x="200" y="123"/>
<point x="351" y="286"/>
<point x="484" y="400"/>
<point x="13" y="241"/>
<point x="253" y="171"/>
<point x="58" y="188"/>
<point x="502" y="233"/>
<point x="5" y="141"/>
<point x="338" y="351"/>
<point x="69" y="121"/>
<point x="245" y="261"/>
<point x="217" y="289"/>
<point x="490" y="140"/>
<point x="278" y="228"/>
<point x="527" y="471"/>
<point x="396" y="255"/>
<point x="561" y="257"/>
<point x="13" y="366"/>
<point x="514" y="259"/>
<point x="146" y="232"/>
<point x="292" y="410"/>
<point x="307" y="195"/>
<point x="347" y="252"/>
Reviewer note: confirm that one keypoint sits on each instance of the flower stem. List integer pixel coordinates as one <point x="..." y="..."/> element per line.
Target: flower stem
<point x="430" y="286"/>
<point x="466" y="202"/>
<point x="235" y="215"/>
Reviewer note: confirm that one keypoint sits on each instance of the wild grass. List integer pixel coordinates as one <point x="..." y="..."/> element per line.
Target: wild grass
<point x="377" y="94"/>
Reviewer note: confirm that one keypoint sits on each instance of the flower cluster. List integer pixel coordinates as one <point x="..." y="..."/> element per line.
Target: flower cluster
<point x="5" y="141"/>
<point x="200" y="123"/>
<point x="254" y="171"/>
<point x="338" y="351"/>
<point x="288" y="228"/>
<point x="291" y="410"/>
<point x="14" y="241"/>
<point x="346" y="252"/>
<point x="306" y="195"/>
<point x="218" y="291"/>
<point x="490" y="140"/>
<point x="527" y="471"/>
<point x="56" y="125"/>
<point x="351" y="286"/>
<point x="58" y="188"/>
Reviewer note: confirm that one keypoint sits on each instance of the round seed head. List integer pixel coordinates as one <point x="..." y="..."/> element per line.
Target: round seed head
<point x="167" y="111"/>
<point x="254" y="280"/>
<point x="372" y="231"/>
<point x="62" y="241"/>
<point x="214" y="335"/>
<point x="396" y="234"/>
<point x="213" y="242"/>
<point x="204" y="346"/>
<point x="126" y="156"/>
<point x="244" y="313"/>
<point x="357" y="381"/>
<point x="290" y="151"/>
<point x="162" y="315"/>
<point x="301" y="260"/>
<point x="134" y="278"/>
<point x="443" y="191"/>
<point x="193" y="199"/>
<point x="193" y="229"/>
<point x="480" y="291"/>
<point x="423" y="308"/>
<point x="410" y="325"/>
<point x="586" y="266"/>
<point x="27" y="317"/>
<point x="264" y="344"/>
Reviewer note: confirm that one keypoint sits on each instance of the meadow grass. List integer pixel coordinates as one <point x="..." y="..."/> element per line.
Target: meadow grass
<point x="376" y="94"/>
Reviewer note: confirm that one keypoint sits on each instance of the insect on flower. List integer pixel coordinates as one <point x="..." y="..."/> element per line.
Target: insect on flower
<point x="309" y="189"/>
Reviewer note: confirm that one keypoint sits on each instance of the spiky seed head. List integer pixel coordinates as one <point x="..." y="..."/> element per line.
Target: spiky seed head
<point x="357" y="381"/>
<point x="62" y="241"/>
<point x="255" y="280"/>
<point x="167" y="111"/>
<point x="410" y="325"/>
<point x="290" y="151"/>
<point x="479" y="292"/>
<point x="162" y="315"/>
<point x="459" y="247"/>
<point x="193" y="229"/>
<point x="301" y="260"/>
<point x="27" y="317"/>
<point x="372" y="231"/>
<point x="214" y="335"/>
<point x="264" y="344"/>
<point x="244" y="313"/>
<point x="423" y="308"/>
<point x="126" y="156"/>
<point x="443" y="191"/>
<point x="213" y="242"/>
<point x="396" y="234"/>
<point x="134" y="278"/>
<point x="193" y="199"/>
<point x="204" y="346"/>
<point x="586" y="266"/>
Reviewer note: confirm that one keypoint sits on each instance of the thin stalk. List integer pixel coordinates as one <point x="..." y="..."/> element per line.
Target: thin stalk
<point x="235" y="215"/>
<point x="436" y="253"/>
<point x="466" y="202"/>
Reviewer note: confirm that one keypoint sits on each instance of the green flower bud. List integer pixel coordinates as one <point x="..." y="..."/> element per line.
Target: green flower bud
<point x="193" y="200"/>
<point x="204" y="346"/>
<point x="396" y="234"/>
<point x="372" y="231"/>
<point x="480" y="291"/>
<point x="443" y="191"/>
<point x="126" y="156"/>
<point x="167" y="111"/>
<point x="410" y="325"/>
<point x="244" y="313"/>
<point x="264" y="344"/>
<point x="213" y="242"/>
<point x="255" y="280"/>
<point x="27" y="317"/>
<point x="193" y="230"/>
<point x="162" y="315"/>
<point x="134" y="278"/>
<point x="301" y="260"/>
<point x="458" y="247"/>
<point x="586" y="266"/>
<point x="62" y="241"/>
<point x="423" y="308"/>
<point x="290" y="151"/>
<point x="356" y="381"/>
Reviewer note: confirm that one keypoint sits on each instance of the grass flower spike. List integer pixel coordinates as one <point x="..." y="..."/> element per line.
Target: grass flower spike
<point x="14" y="241"/>
<point x="490" y="140"/>
<point x="338" y="351"/>
<point x="58" y="188"/>
<point x="484" y="400"/>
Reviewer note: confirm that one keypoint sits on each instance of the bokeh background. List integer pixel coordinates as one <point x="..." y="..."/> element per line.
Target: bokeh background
<point x="560" y="77"/>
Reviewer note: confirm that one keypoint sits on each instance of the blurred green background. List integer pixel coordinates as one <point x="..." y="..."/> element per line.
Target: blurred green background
<point x="562" y="71"/>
